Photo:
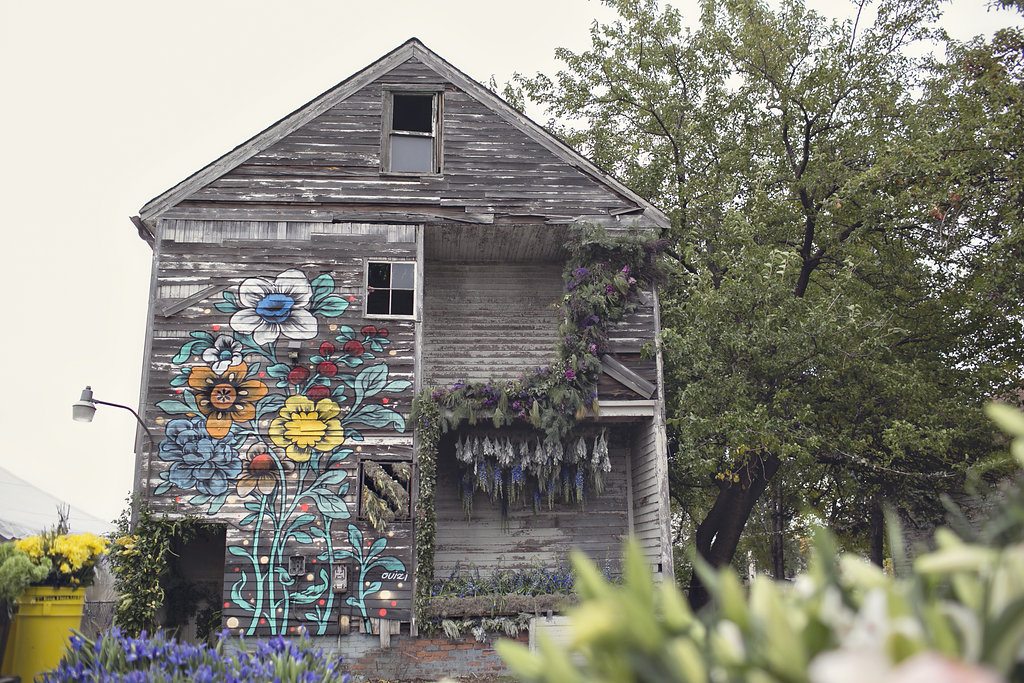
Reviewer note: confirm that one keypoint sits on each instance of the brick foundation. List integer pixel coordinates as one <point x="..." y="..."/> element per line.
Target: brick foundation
<point x="411" y="659"/>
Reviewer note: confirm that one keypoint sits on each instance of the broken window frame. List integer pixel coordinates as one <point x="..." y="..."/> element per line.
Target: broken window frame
<point x="367" y="289"/>
<point x="385" y="460"/>
<point x="387" y="130"/>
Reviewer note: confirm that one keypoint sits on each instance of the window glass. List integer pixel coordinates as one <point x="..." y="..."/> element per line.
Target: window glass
<point x="401" y="302"/>
<point x="390" y="288"/>
<point x="378" y="302"/>
<point x="380" y="275"/>
<point x="411" y="154"/>
<point x="403" y="275"/>
<point x="412" y="113"/>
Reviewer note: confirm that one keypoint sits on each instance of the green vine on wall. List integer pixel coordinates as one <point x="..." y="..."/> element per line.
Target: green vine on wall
<point x="139" y="557"/>
<point x="604" y="276"/>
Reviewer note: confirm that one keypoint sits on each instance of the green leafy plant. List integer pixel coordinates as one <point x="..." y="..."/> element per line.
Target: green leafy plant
<point x="139" y="558"/>
<point x="959" y="610"/>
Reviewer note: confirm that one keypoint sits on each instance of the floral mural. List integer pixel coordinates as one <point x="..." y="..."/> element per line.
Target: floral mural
<point x="250" y="429"/>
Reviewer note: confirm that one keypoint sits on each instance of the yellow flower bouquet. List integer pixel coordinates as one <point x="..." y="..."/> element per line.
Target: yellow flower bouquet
<point x="72" y="557"/>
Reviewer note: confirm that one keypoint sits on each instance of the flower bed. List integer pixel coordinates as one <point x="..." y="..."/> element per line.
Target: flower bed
<point x="116" y="656"/>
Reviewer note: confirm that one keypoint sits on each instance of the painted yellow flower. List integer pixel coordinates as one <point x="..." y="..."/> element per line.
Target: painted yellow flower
<point x="303" y="426"/>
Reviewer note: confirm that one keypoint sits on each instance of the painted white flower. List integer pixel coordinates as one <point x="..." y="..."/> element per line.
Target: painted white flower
<point x="269" y="309"/>
<point x="224" y="353"/>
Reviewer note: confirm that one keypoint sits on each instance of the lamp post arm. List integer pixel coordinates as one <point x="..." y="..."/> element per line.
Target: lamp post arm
<point x="132" y="411"/>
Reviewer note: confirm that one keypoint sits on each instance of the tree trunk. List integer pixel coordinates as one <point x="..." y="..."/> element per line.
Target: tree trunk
<point x="778" y="534"/>
<point x="877" y="520"/>
<point x="719" y="533"/>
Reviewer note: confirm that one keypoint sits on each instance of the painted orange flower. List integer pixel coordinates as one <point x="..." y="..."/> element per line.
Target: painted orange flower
<point x="261" y="473"/>
<point x="224" y="399"/>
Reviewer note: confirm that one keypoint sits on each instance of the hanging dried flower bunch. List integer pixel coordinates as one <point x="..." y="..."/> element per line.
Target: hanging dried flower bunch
<point x="532" y="471"/>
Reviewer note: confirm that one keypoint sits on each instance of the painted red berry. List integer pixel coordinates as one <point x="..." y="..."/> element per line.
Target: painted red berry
<point x="353" y="348"/>
<point x="382" y="332"/>
<point x="326" y="349"/>
<point x="297" y="375"/>
<point x="369" y="330"/>
<point x="327" y="368"/>
<point x="318" y="392"/>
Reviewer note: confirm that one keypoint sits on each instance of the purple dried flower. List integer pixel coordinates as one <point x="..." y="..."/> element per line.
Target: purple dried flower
<point x="570" y="375"/>
<point x="580" y="272"/>
<point x="609" y="289"/>
<point x="592" y="348"/>
<point x="625" y="269"/>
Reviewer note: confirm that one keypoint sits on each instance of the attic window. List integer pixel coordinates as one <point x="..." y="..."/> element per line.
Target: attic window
<point x="411" y="133"/>
<point x="390" y="288"/>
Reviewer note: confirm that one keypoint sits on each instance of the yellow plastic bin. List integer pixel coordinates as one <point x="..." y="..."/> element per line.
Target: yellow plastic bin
<point x="41" y="629"/>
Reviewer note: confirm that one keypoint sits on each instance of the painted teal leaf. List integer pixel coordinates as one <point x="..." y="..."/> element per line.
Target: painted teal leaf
<point x="302" y="537"/>
<point x="187" y="348"/>
<point x="338" y="456"/>
<point x="377" y="548"/>
<point x="181" y="379"/>
<point x="376" y="416"/>
<point x="330" y="505"/>
<point x="217" y="503"/>
<point x="252" y="507"/>
<point x="322" y="286"/>
<point x="190" y="400"/>
<point x="279" y="370"/>
<point x="238" y="551"/>
<point x="371" y="381"/>
<point x="330" y="478"/>
<point x="391" y="564"/>
<point x="303" y="519"/>
<point x="236" y="592"/>
<point x="355" y="539"/>
<point x="330" y="307"/>
<point x="372" y="588"/>
<point x="162" y="488"/>
<point x="310" y="595"/>
<point x="345" y="333"/>
<point x="248" y="519"/>
<point x="398" y="385"/>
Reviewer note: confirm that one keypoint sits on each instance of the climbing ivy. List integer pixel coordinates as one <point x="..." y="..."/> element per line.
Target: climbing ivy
<point x="140" y="557"/>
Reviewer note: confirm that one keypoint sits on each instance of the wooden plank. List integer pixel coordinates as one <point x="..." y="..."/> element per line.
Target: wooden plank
<point x="620" y="372"/>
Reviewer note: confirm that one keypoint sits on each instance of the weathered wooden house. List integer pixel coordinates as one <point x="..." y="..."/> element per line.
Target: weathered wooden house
<point x="404" y="232"/>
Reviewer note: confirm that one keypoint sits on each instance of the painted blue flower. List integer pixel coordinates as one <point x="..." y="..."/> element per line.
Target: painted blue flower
<point x="197" y="460"/>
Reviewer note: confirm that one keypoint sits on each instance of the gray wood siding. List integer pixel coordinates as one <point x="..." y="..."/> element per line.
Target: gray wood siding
<point x="526" y="539"/>
<point x="489" y="165"/>
<point x="647" y="521"/>
<point x="488" y="320"/>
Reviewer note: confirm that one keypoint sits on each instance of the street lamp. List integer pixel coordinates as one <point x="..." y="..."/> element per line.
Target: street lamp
<point x="84" y="409"/>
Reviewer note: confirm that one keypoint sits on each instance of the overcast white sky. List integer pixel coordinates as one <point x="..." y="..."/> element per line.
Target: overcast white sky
<point x="104" y="105"/>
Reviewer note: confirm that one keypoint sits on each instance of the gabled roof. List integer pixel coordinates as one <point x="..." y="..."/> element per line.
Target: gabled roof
<point x="412" y="48"/>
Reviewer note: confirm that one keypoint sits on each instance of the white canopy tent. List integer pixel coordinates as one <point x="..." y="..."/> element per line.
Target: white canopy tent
<point x="25" y="509"/>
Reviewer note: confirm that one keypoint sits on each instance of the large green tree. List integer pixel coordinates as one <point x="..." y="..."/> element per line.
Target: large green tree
<point x="846" y="287"/>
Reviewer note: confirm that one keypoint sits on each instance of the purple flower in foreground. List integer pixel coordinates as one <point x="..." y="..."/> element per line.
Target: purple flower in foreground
<point x="570" y="375"/>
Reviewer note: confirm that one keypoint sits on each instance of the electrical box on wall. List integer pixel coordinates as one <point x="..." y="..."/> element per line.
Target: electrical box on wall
<point x="296" y="565"/>
<point x="339" y="578"/>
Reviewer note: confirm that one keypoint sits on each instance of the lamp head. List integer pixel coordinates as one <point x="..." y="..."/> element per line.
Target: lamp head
<point x="83" y="409"/>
